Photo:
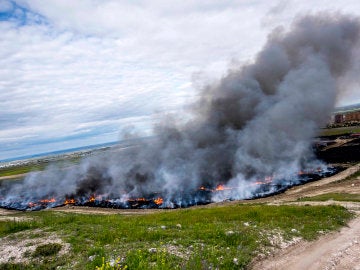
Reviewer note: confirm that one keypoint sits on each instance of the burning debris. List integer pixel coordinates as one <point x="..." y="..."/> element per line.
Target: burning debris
<point x="257" y="121"/>
<point x="203" y="195"/>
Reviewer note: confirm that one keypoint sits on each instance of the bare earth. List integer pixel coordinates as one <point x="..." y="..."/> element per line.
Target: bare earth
<point x="339" y="250"/>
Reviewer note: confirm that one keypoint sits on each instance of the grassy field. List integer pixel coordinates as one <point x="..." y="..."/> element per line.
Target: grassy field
<point x="21" y="169"/>
<point x="224" y="237"/>
<point x="339" y="131"/>
<point x="346" y="197"/>
<point x="26" y="168"/>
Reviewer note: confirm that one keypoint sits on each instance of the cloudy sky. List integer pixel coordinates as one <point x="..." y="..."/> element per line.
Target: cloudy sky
<point x="75" y="73"/>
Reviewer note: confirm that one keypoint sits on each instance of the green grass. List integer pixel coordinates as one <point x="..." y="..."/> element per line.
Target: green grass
<point x="16" y="226"/>
<point x="198" y="238"/>
<point x="40" y="166"/>
<point x="9" y="171"/>
<point x="346" y="197"/>
<point x="339" y="131"/>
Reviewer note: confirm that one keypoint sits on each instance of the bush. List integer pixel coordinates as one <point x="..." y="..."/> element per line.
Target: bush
<point x="47" y="250"/>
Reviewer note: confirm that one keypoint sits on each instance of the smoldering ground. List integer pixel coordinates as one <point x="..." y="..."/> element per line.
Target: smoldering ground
<point x="257" y="121"/>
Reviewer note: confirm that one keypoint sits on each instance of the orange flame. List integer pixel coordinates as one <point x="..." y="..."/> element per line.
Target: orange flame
<point x="158" y="201"/>
<point x="137" y="200"/>
<point x="69" y="201"/>
<point x="220" y="187"/>
<point x="52" y="200"/>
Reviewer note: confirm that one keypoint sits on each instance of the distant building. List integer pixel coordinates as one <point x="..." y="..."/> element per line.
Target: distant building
<point x="346" y="114"/>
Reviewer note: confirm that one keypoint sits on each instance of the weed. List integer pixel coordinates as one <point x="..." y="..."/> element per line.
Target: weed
<point x="49" y="249"/>
<point x="14" y="226"/>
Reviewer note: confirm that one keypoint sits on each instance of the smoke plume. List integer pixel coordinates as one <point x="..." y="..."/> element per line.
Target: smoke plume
<point x="257" y="121"/>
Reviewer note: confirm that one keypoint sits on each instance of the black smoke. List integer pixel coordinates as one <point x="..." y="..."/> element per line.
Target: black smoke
<point x="257" y="121"/>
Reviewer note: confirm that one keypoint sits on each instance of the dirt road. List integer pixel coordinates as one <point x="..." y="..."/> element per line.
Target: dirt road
<point x="340" y="250"/>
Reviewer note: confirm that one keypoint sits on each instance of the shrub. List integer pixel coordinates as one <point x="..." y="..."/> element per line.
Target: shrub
<point x="47" y="250"/>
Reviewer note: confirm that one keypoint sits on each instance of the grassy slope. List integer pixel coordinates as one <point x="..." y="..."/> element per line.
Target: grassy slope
<point x="226" y="237"/>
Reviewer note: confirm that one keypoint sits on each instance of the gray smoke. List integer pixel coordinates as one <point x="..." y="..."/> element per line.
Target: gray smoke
<point x="257" y="121"/>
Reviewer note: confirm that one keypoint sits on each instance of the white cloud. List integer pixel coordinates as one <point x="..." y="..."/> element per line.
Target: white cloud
<point x="5" y="6"/>
<point x="71" y="68"/>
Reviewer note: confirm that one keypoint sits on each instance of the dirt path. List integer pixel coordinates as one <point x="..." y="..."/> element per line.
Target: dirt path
<point x="338" y="251"/>
<point x="15" y="176"/>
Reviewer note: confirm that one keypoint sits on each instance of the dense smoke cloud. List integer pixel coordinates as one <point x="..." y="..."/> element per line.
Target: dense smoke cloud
<point x="257" y="121"/>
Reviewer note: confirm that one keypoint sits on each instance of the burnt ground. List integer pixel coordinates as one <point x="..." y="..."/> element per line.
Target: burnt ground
<point x="343" y="149"/>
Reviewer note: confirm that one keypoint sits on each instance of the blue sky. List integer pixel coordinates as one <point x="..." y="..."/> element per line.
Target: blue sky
<point x="75" y="73"/>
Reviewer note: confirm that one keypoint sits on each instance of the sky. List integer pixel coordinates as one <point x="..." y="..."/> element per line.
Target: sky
<point x="76" y="73"/>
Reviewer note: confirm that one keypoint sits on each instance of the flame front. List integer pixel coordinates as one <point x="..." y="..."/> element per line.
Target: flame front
<point x="70" y="201"/>
<point x="158" y="201"/>
<point x="52" y="200"/>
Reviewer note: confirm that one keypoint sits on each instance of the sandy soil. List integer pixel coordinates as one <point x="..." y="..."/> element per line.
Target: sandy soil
<point x="13" y="250"/>
<point x="11" y="177"/>
<point x="340" y="250"/>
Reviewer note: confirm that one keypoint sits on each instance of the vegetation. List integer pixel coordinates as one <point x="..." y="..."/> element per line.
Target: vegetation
<point x="37" y="166"/>
<point x="47" y="250"/>
<point x="21" y="169"/>
<point x="347" y="197"/>
<point x="225" y="237"/>
<point x="339" y="131"/>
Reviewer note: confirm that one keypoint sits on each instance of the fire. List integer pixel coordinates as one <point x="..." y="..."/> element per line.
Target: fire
<point x="220" y="187"/>
<point x="137" y="200"/>
<point x="267" y="180"/>
<point x="69" y="201"/>
<point x="158" y="201"/>
<point x="92" y="198"/>
<point x="52" y="200"/>
<point x="259" y="183"/>
<point x="32" y="204"/>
